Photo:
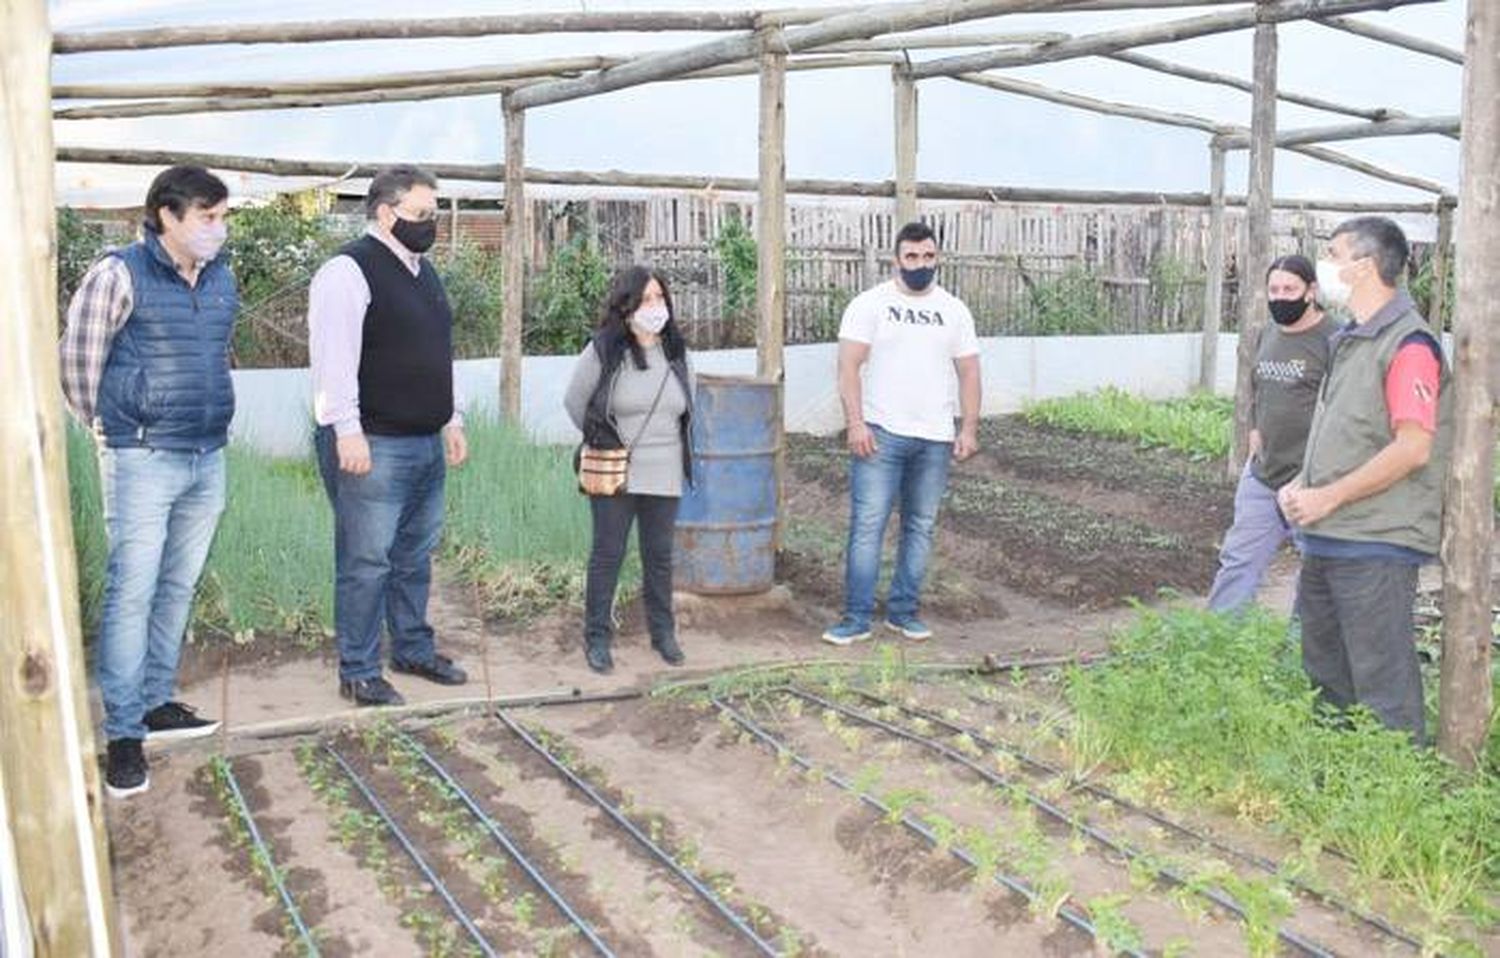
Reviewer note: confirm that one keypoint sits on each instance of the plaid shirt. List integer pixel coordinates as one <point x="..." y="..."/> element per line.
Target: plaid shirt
<point x="95" y="316"/>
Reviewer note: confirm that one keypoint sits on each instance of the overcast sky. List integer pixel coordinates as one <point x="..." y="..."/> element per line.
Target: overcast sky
<point x="839" y="123"/>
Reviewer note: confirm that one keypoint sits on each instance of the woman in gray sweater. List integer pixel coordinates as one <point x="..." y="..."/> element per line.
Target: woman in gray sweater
<point x="632" y="388"/>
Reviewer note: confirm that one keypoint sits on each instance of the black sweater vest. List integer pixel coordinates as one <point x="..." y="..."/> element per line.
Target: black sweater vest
<point x="406" y="363"/>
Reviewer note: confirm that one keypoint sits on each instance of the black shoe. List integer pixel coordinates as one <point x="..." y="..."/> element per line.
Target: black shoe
<point x="440" y="670"/>
<point x="598" y="658"/>
<point x="669" y="650"/>
<point x="174" y="720"/>
<point x="125" y="771"/>
<point x="372" y="691"/>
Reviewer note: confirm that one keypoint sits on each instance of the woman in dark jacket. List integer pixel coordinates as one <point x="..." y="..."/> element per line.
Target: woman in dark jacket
<point x="632" y="387"/>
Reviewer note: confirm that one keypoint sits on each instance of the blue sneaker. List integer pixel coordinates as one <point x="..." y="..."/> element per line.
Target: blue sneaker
<point x="846" y="632"/>
<point x="909" y="626"/>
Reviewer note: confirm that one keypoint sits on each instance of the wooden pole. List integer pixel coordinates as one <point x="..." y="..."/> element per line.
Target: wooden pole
<point x="1255" y="257"/>
<point x="453" y="224"/>
<point x="857" y="25"/>
<point x="1442" y="254"/>
<point x="1402" y="126"/>
<point x="770" y="223"/>
<point x="490" y="172"/>
<point x="1465" y="697"/>
<point x="1213" y="277"/>
<point x="517" y="239"/>
<point x="47" y="748"/>
<point x="1114" y="41"/>
<point x="905" y="89"/>
<point x="1393" y="38"/>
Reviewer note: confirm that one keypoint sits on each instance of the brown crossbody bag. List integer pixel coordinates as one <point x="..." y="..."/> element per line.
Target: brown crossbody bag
<point x="602" y="472"/>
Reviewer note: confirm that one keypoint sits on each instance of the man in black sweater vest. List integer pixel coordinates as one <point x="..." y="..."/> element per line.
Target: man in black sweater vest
<point x="388" y="427"/>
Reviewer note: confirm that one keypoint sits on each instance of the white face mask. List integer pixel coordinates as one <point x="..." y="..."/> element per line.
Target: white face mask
<point x="1332" y="290"/>
<point x="650" y="319"/>
<point x="205" y="242"/>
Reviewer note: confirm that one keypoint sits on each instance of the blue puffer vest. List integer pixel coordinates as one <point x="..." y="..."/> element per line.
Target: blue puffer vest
<point x="166" y="383"/>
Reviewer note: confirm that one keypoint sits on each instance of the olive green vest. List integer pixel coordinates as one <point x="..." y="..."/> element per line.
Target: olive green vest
<point x="1351" y="424"/>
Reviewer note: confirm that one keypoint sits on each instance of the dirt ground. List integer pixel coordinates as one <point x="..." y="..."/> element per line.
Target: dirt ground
<point x="1043" y="539"/>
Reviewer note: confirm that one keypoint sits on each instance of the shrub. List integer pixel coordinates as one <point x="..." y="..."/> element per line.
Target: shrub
<point x="474" y="278"/>
<point x="567" y="298"/>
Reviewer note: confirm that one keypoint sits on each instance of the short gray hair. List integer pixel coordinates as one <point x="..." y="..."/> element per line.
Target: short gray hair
<point x="1382" y="239"/>
<point x="390" y="184"/>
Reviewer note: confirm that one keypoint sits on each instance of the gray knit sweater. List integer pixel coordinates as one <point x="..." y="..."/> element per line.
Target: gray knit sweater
<point x="656" y="458"/>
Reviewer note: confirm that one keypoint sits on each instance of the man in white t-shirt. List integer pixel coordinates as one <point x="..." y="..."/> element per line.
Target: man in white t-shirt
<point x="902" y="345"/>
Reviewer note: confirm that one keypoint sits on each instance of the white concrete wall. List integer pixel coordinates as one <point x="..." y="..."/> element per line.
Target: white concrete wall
<point x="274" y="405"/>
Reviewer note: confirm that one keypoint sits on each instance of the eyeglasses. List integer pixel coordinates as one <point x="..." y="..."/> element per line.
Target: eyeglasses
<point x="418" y="216"/>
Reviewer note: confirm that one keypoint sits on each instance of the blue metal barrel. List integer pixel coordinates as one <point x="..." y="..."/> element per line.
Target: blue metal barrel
<point x="726" y="523"/>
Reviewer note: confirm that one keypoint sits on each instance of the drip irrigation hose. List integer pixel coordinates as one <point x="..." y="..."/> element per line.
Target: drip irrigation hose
<point x="1376" y="922"/>
<point x="243" y="810"/>
<point x="1080" y="826"/>
<point x="505" y="842"/>
<point x="1066" y="913"/>
<point x="659" y="853"/>
<point x="413" y="854"/>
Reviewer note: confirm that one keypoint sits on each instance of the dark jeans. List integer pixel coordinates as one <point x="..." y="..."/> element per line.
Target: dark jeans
<point x="613" y="516"/>
<point x="1358" y="644"/>
<point x="386" y="524"/>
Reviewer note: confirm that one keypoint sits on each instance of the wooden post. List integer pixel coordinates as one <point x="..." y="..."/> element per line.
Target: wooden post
<point x="1256" y="254"/>
<point x="517" y="239"/>
<point x="1465" y="693"/>
<point x="1442" y="252"/>
<point x="453" y="224"/>
<point x="905" y="89"/>
<point x="1213" y="277"/>
<point x="770" y="223"/>
<point x="47" y="763"/>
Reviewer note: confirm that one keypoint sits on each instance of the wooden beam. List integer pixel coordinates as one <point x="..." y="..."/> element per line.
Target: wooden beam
<point x="1465" y="697"/>
<point x="1188" y="121"/>
<point x="918" y="41"/>
<point x="1213" y="280"/>
<point x="1393" y="38"/>
<point x="846" y="26"/>
<point x="1235" y="83"/>
<point x="770" y="272"/>
<point x="47" y="762"/>
<point x="1114" y="41"/>
<point x="454" y="88"/>
<point x="517" y="237"/>
<point x="645" y="21"/>
<point x="1405" y="126"/>
<point x="1255" y="257"/>
<point x="490" y="172"/>
<point x="904" y="90"/>
<point x="555" y="66"/>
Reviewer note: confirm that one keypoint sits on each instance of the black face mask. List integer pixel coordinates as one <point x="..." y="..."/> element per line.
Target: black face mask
<point x="417" y="236"/>
<point x="918" y="279"/>
<point x="1288" y="311"/>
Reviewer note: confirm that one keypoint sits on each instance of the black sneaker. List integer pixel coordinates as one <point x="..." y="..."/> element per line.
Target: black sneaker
<point x="598" y="658"/>
<point x="371" y="691"/>
<point x="125" y="771"/>
<point x="669" y="650"/>
<point x="174" y="720"/>
<point x="440" y="670"/>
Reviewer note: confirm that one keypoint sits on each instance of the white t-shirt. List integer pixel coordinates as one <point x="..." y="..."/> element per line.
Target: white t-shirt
<point x="910" y="387"/>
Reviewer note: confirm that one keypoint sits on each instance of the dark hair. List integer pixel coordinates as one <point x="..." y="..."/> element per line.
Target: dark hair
<point x="914" y="232"/>
<point x="388" y="185"/>
<point x="180" y="188"/>
<point x="1380" y="238"/>
<point x="1298" y="265"/>
<point x="624" y="298"/>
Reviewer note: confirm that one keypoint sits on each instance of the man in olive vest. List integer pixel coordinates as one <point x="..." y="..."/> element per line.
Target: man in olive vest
<point x="1369" y="500"/>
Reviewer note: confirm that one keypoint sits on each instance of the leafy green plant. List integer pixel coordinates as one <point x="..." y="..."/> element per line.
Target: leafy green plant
<point x="1072" y="302"/>
<point x="474" y="279"/>
<point x="79" y="243"/>
<point x="1199" y="425"/>
<point x="565" y="302"/>
<point x="739" y="260"/>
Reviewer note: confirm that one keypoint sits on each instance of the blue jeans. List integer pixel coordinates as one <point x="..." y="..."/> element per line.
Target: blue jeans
<point x="1249" y="546"/>
<point x="913" y="472"/>
<point x="161" y="508"/>
<point x="386" y="524"/>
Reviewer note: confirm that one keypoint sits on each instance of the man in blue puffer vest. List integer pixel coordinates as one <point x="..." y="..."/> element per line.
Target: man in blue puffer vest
<point x="145" y="364"/>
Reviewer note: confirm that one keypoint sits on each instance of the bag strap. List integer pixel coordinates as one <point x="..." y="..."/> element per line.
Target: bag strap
<point x="652" y="411"/>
